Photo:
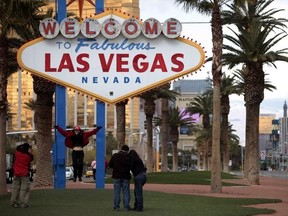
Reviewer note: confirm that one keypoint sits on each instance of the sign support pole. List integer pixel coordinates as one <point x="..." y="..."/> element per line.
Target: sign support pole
<point x="59" y="160"/>
<point x="101" y="135"/>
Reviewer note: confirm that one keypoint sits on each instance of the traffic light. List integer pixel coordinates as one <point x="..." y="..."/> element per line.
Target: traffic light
<point x="145" y="124"/>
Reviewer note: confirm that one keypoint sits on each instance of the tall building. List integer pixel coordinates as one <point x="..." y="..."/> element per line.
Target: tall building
<point x="283" y="143"/>
<point x="189" y="89"/>
<point x="265" y="142"/>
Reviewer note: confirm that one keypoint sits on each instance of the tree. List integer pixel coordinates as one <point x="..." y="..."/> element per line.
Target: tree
<point x="15" y="17"/>
<point x="177" y="118"/>
<point x="213" y="8"/>
<point x="43" y="105"/>
<point x="252" y="45"/>
<point x="228" y="87"/>
<point x="149" y="109"/>
<point x="202" y="105"/>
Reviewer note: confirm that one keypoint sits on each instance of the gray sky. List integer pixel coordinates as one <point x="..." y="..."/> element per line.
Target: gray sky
<point x="201" y="32"/>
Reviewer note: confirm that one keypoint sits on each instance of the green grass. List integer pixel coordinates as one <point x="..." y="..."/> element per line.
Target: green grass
<point x="201" y="178"/>
<point x="99" y="202"/>
<point x="91" y="202"/>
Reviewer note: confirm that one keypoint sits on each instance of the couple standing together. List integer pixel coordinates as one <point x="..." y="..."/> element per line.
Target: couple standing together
<point x="122" y="163"/>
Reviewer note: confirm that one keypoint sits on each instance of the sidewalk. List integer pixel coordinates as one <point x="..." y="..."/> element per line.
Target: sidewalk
<point x="271" y="188"/>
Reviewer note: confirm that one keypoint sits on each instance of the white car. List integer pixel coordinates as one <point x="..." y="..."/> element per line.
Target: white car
<point x="69" y="173"/>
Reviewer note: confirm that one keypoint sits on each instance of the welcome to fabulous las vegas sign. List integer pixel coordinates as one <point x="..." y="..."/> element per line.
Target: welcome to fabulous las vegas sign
<point x="111" y="56"/>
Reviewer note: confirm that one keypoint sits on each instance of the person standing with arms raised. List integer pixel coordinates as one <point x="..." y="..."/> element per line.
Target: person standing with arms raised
<point x="77" y="139"/>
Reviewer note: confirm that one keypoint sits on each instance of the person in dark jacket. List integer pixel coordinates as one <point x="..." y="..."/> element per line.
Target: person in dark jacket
<point x="139" y="176"/>
<point x="21" y="179"/>
<point x="120" y="164"/>
<point x="76" y="140"/>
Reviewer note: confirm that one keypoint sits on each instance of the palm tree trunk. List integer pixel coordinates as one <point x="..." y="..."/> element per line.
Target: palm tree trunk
<point x="225" y="147"/>
<point x="252" y="146"/>
<point x="224" y="131"/>
<point x="121" y="123"/>
<point x="205" y="155"/>
<point x="217" y="40"/>
<point x="3" y="113"/>
<point x="150" y="159"/>
<point x="254" y="95"/>
<point x="43" y="123"/>
<point x="175" y="157"/>
<point x="198" y="159"/>
<point x="3" y="186"/>
<point x="164" y="135"/>
<point x="216" y="184"/>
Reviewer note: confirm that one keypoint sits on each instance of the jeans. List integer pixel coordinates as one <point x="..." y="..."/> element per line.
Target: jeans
<point x="124" y="185"/>
<point x="139" y="181"/>
<point x="77" y="158"/>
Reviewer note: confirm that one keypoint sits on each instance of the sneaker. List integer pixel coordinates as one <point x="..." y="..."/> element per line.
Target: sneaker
<point x="24" y="205"/>
<point x="128" y="209"/>
<point x="116" y="209"/>
<point x="15" y="205"/>
<point x="80" y="179"/>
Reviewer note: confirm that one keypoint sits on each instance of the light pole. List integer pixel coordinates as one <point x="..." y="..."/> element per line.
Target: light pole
<point x="157" y="155"/>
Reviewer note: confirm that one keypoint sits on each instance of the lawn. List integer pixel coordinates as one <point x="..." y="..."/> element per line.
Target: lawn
<point x="201" y="178"/>
<point x="91" y="202"/>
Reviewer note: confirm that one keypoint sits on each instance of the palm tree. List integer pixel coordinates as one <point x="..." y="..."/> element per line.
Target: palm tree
<point x="227" y="88"/>
<point x="202" y="105"/>
<point x="252" y="46"/>
<point x="177" y="118"/>
<point x="43" y="122"/>
<point x="18" y="18"/>
<point x="213" y="8"/>
<point x="203" y="138"/>
<point x="44" y="90"/>
<point x="30" y="104"/>
<point x="149" y="109"/>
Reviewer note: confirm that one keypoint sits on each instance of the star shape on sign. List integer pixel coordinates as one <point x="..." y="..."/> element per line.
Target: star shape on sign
<point x="80" y="5"/>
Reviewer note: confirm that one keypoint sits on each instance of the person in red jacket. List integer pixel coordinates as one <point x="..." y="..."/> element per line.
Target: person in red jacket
<point x="76" y="140"/>
<point x="21" y="179"/>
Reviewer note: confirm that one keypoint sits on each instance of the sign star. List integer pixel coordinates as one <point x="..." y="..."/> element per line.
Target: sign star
<point x="80" y="5"/>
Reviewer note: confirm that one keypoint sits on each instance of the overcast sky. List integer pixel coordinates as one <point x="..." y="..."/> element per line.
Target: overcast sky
<point x="196" y="26"/>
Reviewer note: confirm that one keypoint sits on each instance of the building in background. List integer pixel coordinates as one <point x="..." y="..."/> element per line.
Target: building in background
<point x="265" y="142"/>
<point x="282" y="150"/>
<point x="189" y="89"/>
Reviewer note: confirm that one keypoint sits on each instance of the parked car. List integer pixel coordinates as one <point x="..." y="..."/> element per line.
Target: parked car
<point x="89" y="172"/>
<point x="9" y="176"/>
<point x="193" y="168"/>
<point x="184" y="168"/>
<point x="69" y="173"/>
